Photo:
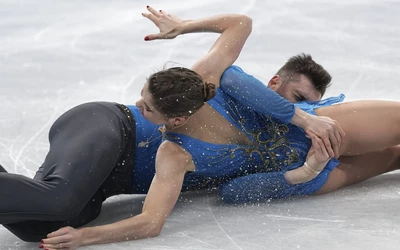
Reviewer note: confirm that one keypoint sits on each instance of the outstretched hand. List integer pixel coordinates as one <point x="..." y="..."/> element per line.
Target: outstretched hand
<point x="330" y="133"/>
<point x="66" y="238"/>
<point x="167" y="24"/>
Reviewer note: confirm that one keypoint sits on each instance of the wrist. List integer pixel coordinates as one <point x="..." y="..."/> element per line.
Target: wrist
<point x="300" y="118"/>
<point x="300" y="175"/>
<point x="184" y="27"/>
<point x="88" y="236"/>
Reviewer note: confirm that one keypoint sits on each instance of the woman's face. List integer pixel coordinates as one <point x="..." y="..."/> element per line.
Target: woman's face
<point x="148" y="110"/>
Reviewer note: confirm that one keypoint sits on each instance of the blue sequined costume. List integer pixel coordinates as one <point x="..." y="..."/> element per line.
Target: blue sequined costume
<point x="250" y="92"/>
<point x="248" y="173"/>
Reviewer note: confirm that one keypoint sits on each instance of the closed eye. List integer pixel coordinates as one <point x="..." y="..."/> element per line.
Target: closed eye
<point x="299" y="97"/>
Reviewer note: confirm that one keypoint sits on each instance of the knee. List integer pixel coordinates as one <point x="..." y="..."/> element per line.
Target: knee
<point x="31" y="237"/>
<point x="65" y="205"/>
<point x="395" y="154"/>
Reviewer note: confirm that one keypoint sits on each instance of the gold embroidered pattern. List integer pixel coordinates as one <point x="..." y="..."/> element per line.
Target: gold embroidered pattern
<point x="271" y="142"/>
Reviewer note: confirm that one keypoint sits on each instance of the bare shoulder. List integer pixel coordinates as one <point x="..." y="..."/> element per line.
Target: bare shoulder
<point x="171" y="155"/>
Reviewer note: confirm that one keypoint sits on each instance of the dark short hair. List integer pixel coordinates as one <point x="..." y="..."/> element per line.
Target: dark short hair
<point x="179" y="91"/>
<point x="304" y="64"/>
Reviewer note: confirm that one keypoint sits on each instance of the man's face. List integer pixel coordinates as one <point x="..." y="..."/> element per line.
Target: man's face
<point x="297" y="90"/>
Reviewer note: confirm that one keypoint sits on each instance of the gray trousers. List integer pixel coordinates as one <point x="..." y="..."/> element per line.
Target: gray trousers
<point x="91" y="158"/>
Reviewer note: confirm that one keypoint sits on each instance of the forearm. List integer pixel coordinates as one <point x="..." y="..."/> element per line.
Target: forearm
<point x="311" y="168"/>
<point x="253" y="93"/>
<point x="217" y="24"/>
<point x="138" y="227"/>
<point x="302" y="174"/>
<point x="255" y="188"/>
<point x="300" y="118"/>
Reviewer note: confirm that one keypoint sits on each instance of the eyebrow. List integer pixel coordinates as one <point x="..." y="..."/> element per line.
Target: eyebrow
<point x="147" y="106"/>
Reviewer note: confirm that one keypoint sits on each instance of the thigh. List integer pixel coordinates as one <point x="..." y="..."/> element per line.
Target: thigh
<point x="355" y="169"/>
<point x="369" y="125"/>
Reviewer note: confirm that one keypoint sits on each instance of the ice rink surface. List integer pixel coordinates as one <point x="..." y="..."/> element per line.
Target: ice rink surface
<point x="56" y="54"/>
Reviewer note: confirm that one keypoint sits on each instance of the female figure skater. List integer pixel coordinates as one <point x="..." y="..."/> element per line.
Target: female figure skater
<point x="102" y="149"/>
<point x="224" y="138"/>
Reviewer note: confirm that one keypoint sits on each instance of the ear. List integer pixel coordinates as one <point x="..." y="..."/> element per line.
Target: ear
<point x="275" y="83"/>
<point x="176" y="121"/>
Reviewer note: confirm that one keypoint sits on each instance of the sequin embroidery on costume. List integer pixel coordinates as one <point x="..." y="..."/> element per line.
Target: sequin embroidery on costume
<point x="273" y="147"/>
<point x="271" y="142"/>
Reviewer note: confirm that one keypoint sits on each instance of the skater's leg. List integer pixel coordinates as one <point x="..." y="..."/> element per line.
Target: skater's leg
<point x="85" y="146"/>
<point x="369" y="125"/>
<point x="355" y="169"/>
<point x="34" y="231"/>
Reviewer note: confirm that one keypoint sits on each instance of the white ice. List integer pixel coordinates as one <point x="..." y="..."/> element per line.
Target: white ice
<point x="56" y="54"/>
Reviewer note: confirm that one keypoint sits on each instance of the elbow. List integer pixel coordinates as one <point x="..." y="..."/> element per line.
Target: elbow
<point x="246" y="22"/>
<point x="154" y="231"/>
<point x="153" y="234"/>
<point x="153" y="228"/>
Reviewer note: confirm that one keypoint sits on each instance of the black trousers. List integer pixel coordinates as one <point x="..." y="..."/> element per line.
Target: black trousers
<point x="91" y="158"/>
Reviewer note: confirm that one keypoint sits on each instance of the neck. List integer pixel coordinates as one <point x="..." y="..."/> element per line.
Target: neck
<point x="190" y="124"/>
<point x="178" y="128"/>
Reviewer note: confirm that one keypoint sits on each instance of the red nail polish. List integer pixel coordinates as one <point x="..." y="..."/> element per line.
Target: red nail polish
<point x="147" y="6"/>
<point x="41" y="241"/>
<point x="41" y="246"/>
<point x="146" y="38"/>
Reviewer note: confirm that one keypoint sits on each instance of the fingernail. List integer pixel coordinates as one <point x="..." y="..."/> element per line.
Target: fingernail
<point x="41" y="241"/>
<point x="160" y="10"/>
<point x="147" y="6"/>
<point x="41" y="246"/>
<point x="146" y="38"/>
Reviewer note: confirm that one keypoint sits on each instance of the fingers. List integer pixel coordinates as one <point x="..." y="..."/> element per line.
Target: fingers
<point x="318" y="148"/>
<point x="328" y="146"/>
<point x="61" y="245"/>
<point x="152" y="37"/>
<point x="57" y="242"/>
<point x="335" y="142"/>
<point x="150" y="17"/>
<point x="154" y="16"/>
<point x="337" y="138"/>
<point x="341" y="135"/>
<point x="153" y="11"/>
<point x="316" y="142"/>
<point x="59" y="232"/>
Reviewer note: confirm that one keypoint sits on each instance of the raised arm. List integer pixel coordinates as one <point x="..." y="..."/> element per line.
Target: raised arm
<point x="234" y="29"/>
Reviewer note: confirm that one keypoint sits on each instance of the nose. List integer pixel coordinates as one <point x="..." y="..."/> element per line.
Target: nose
<point x="138" y="102"/>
